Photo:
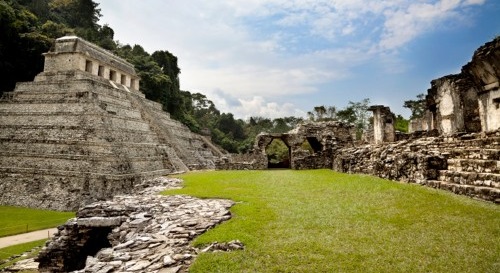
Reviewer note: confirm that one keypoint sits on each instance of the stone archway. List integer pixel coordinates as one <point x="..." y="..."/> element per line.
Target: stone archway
<point x="262" y="143"/>
<point x="278" y="154"/>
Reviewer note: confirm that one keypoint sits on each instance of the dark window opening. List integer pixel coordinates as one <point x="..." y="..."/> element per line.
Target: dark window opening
<point x="123" y="79"/>
<point x="100" y="71"/>
<point x="88" y="66"/>
<point x="496" y="101"/>
<point x="315" y="144"/>
<point x="278" y="154"/>
<point x="97" y="240"/>
<point x="112" y="75"/>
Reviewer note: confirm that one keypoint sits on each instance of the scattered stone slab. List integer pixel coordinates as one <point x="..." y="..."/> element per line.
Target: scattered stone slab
<point x="136" y="233"/>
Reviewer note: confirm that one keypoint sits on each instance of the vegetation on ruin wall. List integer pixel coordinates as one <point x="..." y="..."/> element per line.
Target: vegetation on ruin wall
<point x="322" y="221"/>
<point x="15" y="220"/>
<point x="28" y="29"/>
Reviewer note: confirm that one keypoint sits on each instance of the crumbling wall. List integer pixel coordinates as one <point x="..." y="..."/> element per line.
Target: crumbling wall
<point x="453" y="105"/>
<point x="383" y="124"/>
<point x="250" y="161"/>
<point x="403" y="161"/>
<point x="466" y="164"/>
<point x="484" y="70"/>
<point x="324" y="137"/>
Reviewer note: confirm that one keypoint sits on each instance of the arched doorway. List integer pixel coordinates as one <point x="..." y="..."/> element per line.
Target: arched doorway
<point x="278" y="154"/>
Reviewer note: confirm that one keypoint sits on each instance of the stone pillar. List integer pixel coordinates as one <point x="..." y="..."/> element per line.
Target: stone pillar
<point x="383" y="124"/>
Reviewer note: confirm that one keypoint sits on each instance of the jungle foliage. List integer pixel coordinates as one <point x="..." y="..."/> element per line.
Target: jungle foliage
<point x="28" y="29"/>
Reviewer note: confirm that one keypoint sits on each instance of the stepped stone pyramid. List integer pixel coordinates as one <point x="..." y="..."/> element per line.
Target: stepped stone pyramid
<point x="82" y="131"/>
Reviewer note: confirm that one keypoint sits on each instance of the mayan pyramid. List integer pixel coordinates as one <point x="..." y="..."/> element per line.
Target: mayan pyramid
<point x="82" y="131"/>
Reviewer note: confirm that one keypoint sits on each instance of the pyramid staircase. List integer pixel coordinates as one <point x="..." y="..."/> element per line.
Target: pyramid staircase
<point x="71" y="138"/>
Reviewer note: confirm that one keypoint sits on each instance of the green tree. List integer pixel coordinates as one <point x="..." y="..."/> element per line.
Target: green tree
<point x="401" y="124"/>
<point x="331" y="112"/>
<point x="320" y="112"/>
<point x="356" y="114"/>
<point x="417" y="106"/>
<point x="21" y="44"/>
<point x="277" y="152"/>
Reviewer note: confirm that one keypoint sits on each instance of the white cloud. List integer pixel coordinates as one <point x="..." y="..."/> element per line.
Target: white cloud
<point x="259" y="50"/>
<point x="257" y="106"/>
<point x="405" y="23"/>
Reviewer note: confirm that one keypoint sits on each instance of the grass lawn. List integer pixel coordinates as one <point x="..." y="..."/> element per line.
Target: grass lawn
<point x="18" y="249"/>
<point x="15" y="220"/>
<point x="323" y="221"/>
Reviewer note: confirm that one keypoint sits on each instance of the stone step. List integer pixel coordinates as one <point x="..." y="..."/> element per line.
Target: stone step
<point x="474" y="165"/>
<point x="15" y="172"/>
<point x="95" y="120"/>
<point x="492" y="142"/>
<point x="471" y="178"/>
<point x="75" y="133"/>
<point x="67" y="96"/>
<point x="70" y="147"/>
<point x="474" y="153"/>
<point x="484" y="193"/>
<point x="102" y="164"/>
<point x="67" y="109"/>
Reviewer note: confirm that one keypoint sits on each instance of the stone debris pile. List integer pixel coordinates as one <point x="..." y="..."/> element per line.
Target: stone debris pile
<point x="143" y="233"/>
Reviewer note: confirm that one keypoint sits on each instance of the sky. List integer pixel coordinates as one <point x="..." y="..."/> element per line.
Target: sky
<point x="280" y="58"/>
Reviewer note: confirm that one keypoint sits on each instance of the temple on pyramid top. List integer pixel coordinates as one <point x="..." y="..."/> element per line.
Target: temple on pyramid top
<point x="73" y="53"/>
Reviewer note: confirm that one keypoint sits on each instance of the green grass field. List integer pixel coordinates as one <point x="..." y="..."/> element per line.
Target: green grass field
<point x="15" y="220"/>
<point x="322" y="221"/>
<point x="19" y="249"/>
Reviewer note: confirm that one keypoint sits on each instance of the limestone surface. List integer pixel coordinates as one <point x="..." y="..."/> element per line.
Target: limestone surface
<point x="136" y="233"/>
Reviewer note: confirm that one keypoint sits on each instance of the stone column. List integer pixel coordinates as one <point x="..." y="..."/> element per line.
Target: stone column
<point x="383" y="124"/>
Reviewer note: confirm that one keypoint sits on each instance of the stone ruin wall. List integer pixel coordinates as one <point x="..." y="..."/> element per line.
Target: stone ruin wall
<point x="324" y="137"/>
<point x="455" y="146"/>
<point x="73" y="136"/>
<point x="467" y="164"/>
<point x="484" y="71"/>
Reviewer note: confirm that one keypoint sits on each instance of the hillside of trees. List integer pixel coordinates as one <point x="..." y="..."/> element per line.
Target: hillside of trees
<point x="28" y="28"/>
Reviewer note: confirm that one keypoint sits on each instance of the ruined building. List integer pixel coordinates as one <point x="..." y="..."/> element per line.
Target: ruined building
<point x="82" y="131"/>
<point x="469" y="101"/>
<point x="455" y="146"/>
<point x="324" y="138"/>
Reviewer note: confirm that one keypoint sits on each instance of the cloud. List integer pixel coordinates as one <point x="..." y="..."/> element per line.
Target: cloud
<point x="404" y="24"/>
<point x="257" y="106"/>
<point x="257" y="52"/>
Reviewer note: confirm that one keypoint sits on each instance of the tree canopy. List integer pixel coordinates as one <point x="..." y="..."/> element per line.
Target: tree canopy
<point x="28" y="29"/>
<point x="417" y="106"/>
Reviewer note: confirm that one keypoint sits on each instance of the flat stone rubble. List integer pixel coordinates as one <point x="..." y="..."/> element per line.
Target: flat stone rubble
<point x="149" y="233"/>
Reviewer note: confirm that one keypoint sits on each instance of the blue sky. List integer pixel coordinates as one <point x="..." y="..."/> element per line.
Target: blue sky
<point x="278" y="58"/>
